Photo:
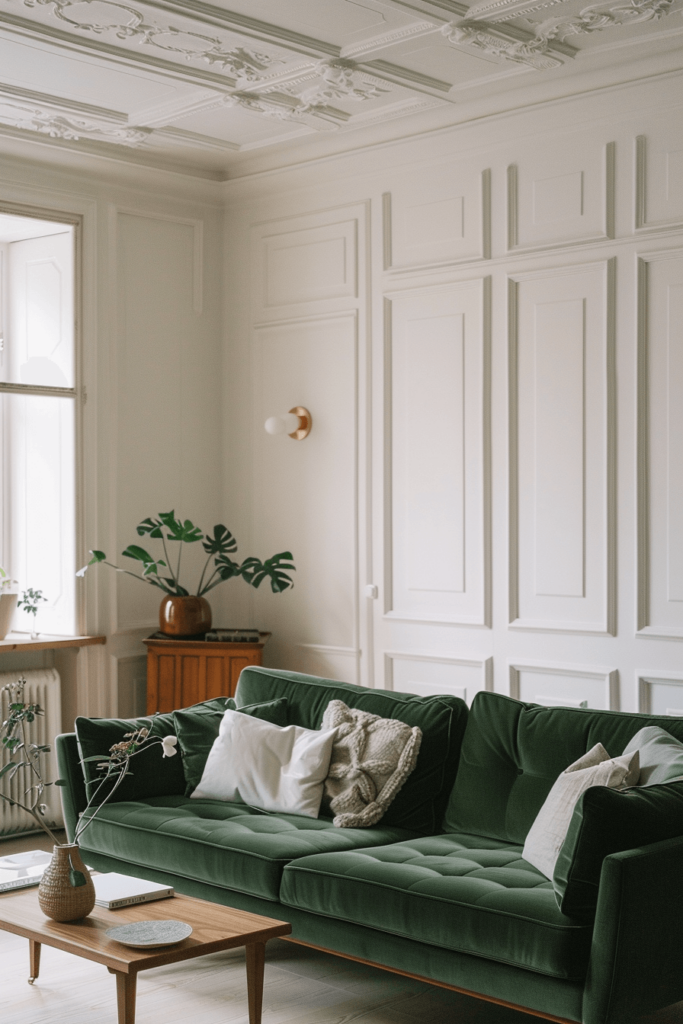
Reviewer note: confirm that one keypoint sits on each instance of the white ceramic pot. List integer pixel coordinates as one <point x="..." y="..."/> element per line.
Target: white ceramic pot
<point x="8" y="602"/>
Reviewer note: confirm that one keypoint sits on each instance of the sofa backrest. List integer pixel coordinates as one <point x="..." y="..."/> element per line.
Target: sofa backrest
<point x="513" y="752"/>
<point x="421" y="802"/>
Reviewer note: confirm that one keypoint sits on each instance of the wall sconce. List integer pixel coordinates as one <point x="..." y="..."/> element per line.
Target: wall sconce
<point x="297" y="423"/>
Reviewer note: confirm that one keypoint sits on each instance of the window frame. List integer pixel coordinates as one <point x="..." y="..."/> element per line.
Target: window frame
<point x="77" y="392"/>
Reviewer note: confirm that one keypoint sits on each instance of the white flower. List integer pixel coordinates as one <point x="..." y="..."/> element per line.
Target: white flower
<point x="168" y="744"/>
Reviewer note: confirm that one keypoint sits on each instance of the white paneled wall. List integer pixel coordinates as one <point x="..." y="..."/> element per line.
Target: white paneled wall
<point x="561" y="374"/>
<point x="486" y="326"/>
<point x="435" y="457"/>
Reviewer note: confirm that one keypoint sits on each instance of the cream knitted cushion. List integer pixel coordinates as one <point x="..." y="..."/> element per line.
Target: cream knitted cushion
<point x="595" y="768"/>
<point x="371" y="759"/>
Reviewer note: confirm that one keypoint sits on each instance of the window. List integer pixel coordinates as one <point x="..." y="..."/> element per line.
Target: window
<point x="38" y="417"/>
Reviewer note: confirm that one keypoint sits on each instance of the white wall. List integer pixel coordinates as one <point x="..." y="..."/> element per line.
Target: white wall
<point x="150" y="357"/>
<point x="485" y="324"/>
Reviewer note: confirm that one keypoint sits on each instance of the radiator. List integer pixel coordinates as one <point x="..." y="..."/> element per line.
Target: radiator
<point x="43" y="687"/>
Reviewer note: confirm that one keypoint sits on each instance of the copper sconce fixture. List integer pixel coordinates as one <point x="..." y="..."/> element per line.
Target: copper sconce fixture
<point x="297" y="423"/>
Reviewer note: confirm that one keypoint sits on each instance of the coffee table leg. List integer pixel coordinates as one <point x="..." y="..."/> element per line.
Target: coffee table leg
<point x="34" y="956"/>
<point x="125" y="995"/>
<point x="256" y="958"/>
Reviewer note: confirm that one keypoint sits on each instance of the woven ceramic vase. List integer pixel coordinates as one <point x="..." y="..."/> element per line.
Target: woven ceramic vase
<point x="58" y="896"/>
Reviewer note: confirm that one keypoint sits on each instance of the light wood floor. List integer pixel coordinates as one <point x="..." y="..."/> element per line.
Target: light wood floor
<point x="301" y="986"/>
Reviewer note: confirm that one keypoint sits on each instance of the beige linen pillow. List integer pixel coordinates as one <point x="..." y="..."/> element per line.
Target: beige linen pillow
<point x="371" y="759"/>
<point x="595" y="768"/>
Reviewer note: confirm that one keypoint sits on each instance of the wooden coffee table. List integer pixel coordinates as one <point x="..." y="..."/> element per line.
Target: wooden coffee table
<point x="214" y="928"/>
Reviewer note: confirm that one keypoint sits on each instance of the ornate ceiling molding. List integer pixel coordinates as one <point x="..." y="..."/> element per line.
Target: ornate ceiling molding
<point x="57" y="125"/>
<point x="532" y="52"/>
<point x="537" y="50"/>
<point x="494" y="11"/>
<point x="124" y="22"/>
<point x="340" y="81"/>
<point x="598" y="17"/>
<point x="337" y="80"/>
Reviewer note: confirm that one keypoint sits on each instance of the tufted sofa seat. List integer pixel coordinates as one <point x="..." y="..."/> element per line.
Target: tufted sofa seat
<point x="458" y="892"/>
<point x="226" y="844"/>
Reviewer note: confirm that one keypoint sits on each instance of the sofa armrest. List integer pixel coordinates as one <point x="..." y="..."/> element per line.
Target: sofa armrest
<point x="73" y="794"/>
<point x="637" y="948"/>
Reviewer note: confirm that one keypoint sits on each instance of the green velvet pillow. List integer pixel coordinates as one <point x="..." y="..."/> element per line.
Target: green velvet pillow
<point x="151" y="774"/>
<point x="197" y="729"/>
<point x="608" y="821"/>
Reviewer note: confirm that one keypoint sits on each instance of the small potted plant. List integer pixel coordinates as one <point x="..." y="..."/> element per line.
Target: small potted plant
<point x="29" y="601"/>
<point x="183" y="613"/>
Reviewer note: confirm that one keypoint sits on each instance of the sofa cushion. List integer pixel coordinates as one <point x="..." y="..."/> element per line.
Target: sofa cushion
<point x="513" y="752"/>
<point x="371" y="759"/>
<point x="455" y="892"/>
<point x="606" y="821"/>
<point x="150" y="773"/>
<point x="267" y="766"/>
<point x="420" y="804"/>
<point x="197" y="730"/>
<point x="224" y="844"/>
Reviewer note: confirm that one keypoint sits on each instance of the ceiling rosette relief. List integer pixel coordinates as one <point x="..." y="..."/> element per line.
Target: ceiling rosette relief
<point x="333" y="81"/>
<point x="535" y="53"/>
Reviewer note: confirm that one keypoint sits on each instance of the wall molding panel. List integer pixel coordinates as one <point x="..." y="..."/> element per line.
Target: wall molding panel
<point x="562" y="449"/>
<point x="315" y="485"/>
<point x="562" y="196"/>
<point x="437" y="463"/>
<point x="557" y="684"/>
<point x="659" y="180"/>
<point x="439" y="218"/>
<point x="427" y="674"/>
<point x="660" y="693"/>
<point x="307" y="265"/>
<point x="660" y="428"/>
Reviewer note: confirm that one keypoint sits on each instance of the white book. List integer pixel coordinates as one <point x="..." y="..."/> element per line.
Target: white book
<point x="21" y="870"/>
<point x="113" y="890"/>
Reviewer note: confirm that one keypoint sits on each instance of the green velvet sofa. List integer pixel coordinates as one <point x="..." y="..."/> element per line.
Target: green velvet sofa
<point x="438" y="889"/>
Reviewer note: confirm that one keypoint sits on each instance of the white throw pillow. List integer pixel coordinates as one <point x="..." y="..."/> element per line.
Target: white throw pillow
<point x="595" y="768"/>
<point x="275" y="768"/>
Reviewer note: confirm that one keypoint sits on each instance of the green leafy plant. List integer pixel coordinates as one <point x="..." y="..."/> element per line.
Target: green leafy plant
<point x="5" y="581"/>
<point x="219" y="566"/>
<point x="19" y="753"/>
<point x="29" y="601"/>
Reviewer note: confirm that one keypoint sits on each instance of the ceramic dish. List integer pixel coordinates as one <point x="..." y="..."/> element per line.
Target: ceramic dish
<point x="150" y="934"/>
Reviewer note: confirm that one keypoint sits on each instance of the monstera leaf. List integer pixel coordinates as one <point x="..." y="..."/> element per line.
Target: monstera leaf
<point x="186" y="532"/>
<point x="255" y="571"/>
<point x="221" y="543"/>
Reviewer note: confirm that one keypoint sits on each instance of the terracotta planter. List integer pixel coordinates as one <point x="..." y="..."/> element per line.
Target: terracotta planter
<point x="184" y="616"/>
<point x="8" y="602"/>
<point x="59" y="895"/>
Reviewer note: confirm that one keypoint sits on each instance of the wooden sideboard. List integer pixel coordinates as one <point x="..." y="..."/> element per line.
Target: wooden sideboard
<point x="185" y="672"/>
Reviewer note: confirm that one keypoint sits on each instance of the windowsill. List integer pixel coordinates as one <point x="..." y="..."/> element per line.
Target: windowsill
<point x="46" y="641"/>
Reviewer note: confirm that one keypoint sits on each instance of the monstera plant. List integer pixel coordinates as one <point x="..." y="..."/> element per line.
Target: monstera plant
<point x="182" y="611"/>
